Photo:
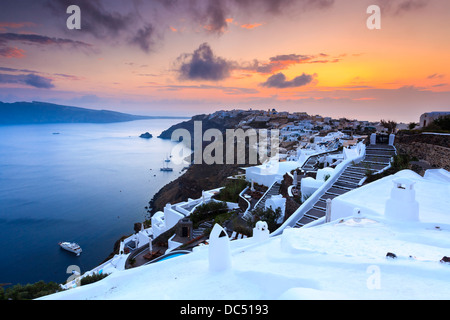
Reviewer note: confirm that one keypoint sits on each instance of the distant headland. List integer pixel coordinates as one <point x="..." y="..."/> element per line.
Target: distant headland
<point x="42" y="112"/>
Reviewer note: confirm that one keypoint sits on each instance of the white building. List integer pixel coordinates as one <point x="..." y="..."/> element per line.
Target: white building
<point x="429" y="117"/>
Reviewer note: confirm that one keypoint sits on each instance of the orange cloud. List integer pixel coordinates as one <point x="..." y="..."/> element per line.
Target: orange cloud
<point x="277" y="63"/>
<point x="12" y="52"/>
<point x="364" y="99"/>
<point x="15" y="25"/>
<point x="249" y="26"/>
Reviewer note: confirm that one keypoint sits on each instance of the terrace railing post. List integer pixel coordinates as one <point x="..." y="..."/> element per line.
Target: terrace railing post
<point x="328" y="211"/>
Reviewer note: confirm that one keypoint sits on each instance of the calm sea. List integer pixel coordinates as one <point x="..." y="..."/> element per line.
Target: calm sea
<point x="87" y="183"/>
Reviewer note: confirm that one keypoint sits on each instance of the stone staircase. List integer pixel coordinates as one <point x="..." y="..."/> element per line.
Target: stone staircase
<point x="377" y="157"/>
<point x="310" y="164"/>
<point x="261" y="204"/>
<point x="201" y="228"/>
<point x="313" y="161"/>
<point x="273" y="191"/>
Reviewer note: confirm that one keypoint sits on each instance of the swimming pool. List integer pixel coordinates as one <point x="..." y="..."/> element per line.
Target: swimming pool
<point x="170" y="256"/>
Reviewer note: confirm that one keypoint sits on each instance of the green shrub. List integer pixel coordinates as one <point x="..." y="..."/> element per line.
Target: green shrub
<point x="93" y="278"/>
<point x="442" y="124"/>
<point x="268" y="215"/>
<point x="231" y="191"/>
<point x="208" y="211"/>
<point x="29" y="291"/>
<point x="400" y="162"/>
<point x="221" y="218"/>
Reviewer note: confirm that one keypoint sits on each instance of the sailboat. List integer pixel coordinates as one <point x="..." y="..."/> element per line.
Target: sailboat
<point x="166" y="166"/>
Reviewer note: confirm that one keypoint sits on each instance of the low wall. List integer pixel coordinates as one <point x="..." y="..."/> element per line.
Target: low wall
<point x="437" y="156"/>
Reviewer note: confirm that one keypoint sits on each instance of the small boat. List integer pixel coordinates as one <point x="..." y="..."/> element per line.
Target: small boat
<point x="71" y="246"/>
<point x="166" y="166"/>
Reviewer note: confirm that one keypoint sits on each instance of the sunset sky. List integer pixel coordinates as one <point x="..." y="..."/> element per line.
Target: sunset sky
<point x="185" y="57"/>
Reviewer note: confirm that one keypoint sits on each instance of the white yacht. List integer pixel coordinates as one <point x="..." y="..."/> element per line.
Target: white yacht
<point x="71" y="246"/>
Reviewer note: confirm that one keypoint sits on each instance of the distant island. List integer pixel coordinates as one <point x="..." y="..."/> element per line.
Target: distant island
<point x="146" y="135"/>
<point x="42" y="112"/>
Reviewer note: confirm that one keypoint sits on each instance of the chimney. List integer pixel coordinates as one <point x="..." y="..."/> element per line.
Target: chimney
<point x="219" y="250"/>
<point x="402" y="206"/>
<point x="261" y="231"/>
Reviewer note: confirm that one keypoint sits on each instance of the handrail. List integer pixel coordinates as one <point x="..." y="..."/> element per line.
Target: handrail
<point x="265" y="193"/>
<point x="310" y="202"/>
<point x="241" y="195"/>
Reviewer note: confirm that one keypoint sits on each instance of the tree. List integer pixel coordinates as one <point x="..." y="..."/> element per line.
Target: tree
<point x="268" y="215"/>
<point x="442" y="123"/>
<point x="412" y="125"/>
<point x="30" y="291"/>
<point x="389" y="125"/>
<point x="208" y="211"/>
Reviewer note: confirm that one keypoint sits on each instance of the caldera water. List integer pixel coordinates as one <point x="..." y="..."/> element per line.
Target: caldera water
<point x="86" y="183"/>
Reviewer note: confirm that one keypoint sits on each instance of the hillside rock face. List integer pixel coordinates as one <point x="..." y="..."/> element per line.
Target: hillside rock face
<point x="433" y="149"/>
<point x="198" y="177"/>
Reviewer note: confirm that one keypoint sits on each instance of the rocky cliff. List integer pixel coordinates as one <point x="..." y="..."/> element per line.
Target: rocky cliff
<point x="197" y="178"/>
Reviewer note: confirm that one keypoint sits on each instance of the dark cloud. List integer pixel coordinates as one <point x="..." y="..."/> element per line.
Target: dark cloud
<point x="282" y="62"/>
<point x="144" y="38"/>
<point x="54" y="75"/>
<point x="41" y="40"/>
<point x="410" y="5"/>
<point x="105" y="23"/>
<point x="279" y="81"/>
<point x="212" y="14"/>
<point x="32" y="80"/>
<point x="215" y="17"/>
<point x="398" y="7"/>
<point x="8" y="51"/>
<point x="17" y="70"/>
<point x="278" y="6"/>
<point x="436" y="76"/>
<point x="143" y="23"/>
<point x="204" y="65"/>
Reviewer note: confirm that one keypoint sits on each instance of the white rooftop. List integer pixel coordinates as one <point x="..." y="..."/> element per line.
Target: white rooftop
<point x="345" y="259"/>
<point x="432" y="192"/>
<point x="335" y="261"/>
